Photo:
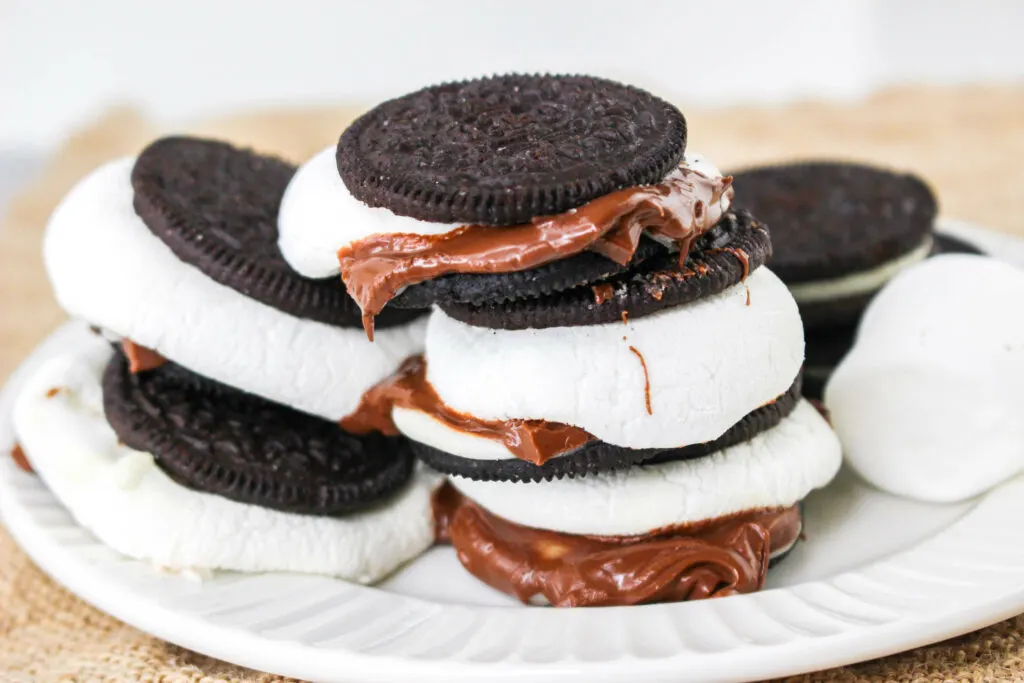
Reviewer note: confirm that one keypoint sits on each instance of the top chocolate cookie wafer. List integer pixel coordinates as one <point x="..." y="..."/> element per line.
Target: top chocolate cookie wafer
<point x="506" y="149"/>
<point x="215" y="206"/>
<point x="830" y="219"/>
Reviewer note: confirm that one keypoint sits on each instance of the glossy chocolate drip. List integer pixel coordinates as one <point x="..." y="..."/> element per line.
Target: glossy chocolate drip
<point x="741" y="256"/>
<point x="679" y="209"/>
<point x="20" y="460"/>
<point x="715" y="558"/>
<point x="603" y="292"/>
<point x="535" y="441"/>
<point x="141" y="358"/>
<point x="647" y="378"/>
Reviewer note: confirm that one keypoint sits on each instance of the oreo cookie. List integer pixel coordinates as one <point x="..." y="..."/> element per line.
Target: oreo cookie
<point x="832" y="219"/>
<point x="598" y="456"/>
<point x="495" y="288"/>
<point x="215" y="206"/>
<point x="505" y="149"/>
<point x="232" y="444"/>
<point x="722" y="257"/>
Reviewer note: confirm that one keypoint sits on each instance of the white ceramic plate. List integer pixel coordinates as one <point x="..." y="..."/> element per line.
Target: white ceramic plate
<point x="876" y="575"/>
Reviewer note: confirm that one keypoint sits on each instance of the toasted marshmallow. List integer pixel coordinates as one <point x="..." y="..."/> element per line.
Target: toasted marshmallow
<point x="927" y="403"/>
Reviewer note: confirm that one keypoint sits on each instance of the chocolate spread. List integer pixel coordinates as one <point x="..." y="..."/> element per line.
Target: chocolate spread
<point x="647" y="378"/>
<point x="679" y="209"/>
<point x="19" y="458"/>
<point x="141" y="358"/>
<point x="715" y="558"/>
<point x="535" y="441"/>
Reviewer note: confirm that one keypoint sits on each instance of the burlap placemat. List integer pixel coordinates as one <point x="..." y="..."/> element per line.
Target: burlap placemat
<point x="968" y="142"/>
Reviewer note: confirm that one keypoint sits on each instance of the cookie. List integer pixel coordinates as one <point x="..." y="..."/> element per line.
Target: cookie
<point x="504" y="149"/>
<point x="598" y="456"/>
<point x="249" y="450"/>
<point x="215" y="206"/>
<point x="840" y="230"/>
<point x="495" y="288"/>
<point x="831" y="219"/>
<point x="107" y="268"/>
<point x="721" y="258"/>
<point x="126" y="501"/>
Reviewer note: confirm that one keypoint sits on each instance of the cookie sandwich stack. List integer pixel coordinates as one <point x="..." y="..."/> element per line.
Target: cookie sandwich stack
<point x="198" y="428"/>
<point x="840" y="232"/>
<point x="611" y="378"/>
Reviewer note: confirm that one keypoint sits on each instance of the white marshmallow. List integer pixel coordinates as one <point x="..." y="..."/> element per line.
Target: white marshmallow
<point x="927" y="403"/>
<point x="709" y="363"/>
<point x="776" y="468"/>
<point x="123" y="498"/>
<point x="107" y="268"/>
<point x="319" y="216"/>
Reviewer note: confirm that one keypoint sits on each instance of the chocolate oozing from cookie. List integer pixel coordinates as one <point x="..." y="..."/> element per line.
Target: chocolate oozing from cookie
<point x="597" y="456"/>
<point x="504" y="149"/>
<point x="244" y="448"/>
<point x="215" y="206"/>
<point x="722" y="257"/>
<point x="556" y="276"/>
<point x="831" y="219"/>
<point x="542" y="450"/>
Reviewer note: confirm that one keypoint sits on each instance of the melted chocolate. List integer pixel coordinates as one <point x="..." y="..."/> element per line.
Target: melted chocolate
<point x="715" y="558"/>
<point x="680" y="208"/>
<point x="647" y="378"/>
<point x="602" y="293"/>
<point x="19" y="458"/>
<point x="535" y="441"/>
<point x="743" y="259"/>
<point x="141" y="358"/>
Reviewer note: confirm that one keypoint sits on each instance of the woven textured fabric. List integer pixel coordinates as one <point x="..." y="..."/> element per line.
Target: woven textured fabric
<point x="967" y="142"/>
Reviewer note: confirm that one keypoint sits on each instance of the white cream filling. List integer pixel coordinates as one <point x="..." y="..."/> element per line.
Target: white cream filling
<point x="122" y="497"/>
<point x="319" y="216"/>
<point x="857" y="284"/>
<point x="776" y="468"/>
<point x="708" y="363"/>
<point x="107" y="268"/>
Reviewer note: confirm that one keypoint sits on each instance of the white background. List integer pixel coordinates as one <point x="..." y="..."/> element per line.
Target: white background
<point x="62" y="61"/>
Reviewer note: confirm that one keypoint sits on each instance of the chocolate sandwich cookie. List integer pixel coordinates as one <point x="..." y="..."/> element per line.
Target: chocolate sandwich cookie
<point x="500" y="189"/>
<point x="215" y="206"/>
<point x="597" y="456"/>
<point x="249" y="450"/>
<point x="840" y="230"/>
<point x="722" y="257"/>
<point x="505" y="149"/>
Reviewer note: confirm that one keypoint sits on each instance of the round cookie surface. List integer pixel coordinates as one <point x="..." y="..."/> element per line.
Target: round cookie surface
<point x="215" y="206"/>
<point x="249" y="450"/>
<point x="719" y="259"/>
<point x="505" y="149"/>
<point x="831" y="219"/>
<point x="599" y="456"/>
